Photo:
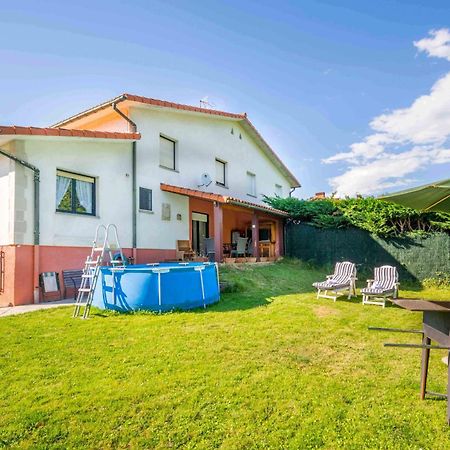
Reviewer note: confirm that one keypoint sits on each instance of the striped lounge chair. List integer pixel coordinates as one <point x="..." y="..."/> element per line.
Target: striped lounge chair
<point x="385" y="284"/>
<point x="343" y="279"/>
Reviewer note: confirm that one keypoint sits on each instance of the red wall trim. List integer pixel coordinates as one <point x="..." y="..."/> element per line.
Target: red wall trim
<point x="19" y="265"/>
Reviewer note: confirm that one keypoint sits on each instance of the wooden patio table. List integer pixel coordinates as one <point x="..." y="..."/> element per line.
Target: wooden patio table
<point x="435" y="327"/>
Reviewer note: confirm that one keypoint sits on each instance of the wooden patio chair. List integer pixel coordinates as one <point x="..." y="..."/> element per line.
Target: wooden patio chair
<point x="343" y="279"/>
<point x="184" y="250"/>
<point x="241" y="247"/>
<point x="384" y="284"/>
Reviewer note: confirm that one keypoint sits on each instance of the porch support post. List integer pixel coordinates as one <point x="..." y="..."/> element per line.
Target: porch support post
<point x="218" y="232"/>
<point x="279" y="245"/>
<point x="255" y="235"/>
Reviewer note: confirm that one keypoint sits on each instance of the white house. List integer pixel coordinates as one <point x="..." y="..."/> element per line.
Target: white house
<point x="138" y="163"/>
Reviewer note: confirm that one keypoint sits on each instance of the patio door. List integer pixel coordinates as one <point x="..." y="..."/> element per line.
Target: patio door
<point x="200" y="231"/>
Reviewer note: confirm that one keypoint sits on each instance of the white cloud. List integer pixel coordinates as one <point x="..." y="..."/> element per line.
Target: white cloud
<point x="387" y="171"/>
<point x="437" y="45"/>
<point x="404" y="140"/>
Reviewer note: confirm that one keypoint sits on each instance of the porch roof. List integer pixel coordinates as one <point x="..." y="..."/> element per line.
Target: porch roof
<point x="223" y="199"/>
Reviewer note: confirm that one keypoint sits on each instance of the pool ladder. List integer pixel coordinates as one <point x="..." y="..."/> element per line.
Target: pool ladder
<point x="106" y="241"/>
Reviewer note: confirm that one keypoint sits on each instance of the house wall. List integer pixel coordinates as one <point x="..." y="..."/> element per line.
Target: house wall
<point x="7" y="179"/>
<point x="18" y="275"/>
<point x="200" y="140"/>
<point x="109" y="162"/>
<point x="103" y="122"/>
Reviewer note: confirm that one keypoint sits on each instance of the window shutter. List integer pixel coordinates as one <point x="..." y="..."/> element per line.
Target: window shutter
<point x="145" y="199"/>
<point x="220" y="172"/>
<point x="166" y="153"/>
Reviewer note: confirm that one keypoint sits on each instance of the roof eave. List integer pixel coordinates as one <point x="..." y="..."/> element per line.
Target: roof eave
<point x="89" y="111"/>
<point x="294" y="182"/>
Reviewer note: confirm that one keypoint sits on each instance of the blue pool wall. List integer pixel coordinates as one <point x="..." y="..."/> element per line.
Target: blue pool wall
<point x="157" y="287"/>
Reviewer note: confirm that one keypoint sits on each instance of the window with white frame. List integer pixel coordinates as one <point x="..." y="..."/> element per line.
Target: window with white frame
<point x="251" y="184"/>
<point x="145" y="199"/>
<point x="75" y="193"/>
<point x="221" y="172"/>
<point x="167" y="153"/>
<point x="279" y="190"/>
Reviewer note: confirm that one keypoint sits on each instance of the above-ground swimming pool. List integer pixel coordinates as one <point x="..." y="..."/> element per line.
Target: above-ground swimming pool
<point x="157" y="287"/>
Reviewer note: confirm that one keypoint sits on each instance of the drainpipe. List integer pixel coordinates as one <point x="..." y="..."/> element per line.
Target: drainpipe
<point x="36" y="174"/>
<point x="133" y="179"/>
<point x="293" y="188"/>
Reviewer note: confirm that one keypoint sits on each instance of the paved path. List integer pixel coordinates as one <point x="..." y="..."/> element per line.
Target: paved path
<point x="13" y="310"/>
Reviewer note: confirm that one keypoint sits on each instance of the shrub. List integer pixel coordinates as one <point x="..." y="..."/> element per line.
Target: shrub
<point x="370" y="214"/>
<point x="441" y="279"/>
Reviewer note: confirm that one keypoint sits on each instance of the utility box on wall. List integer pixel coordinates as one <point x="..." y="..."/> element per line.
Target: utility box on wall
<point x="165" y="211"/>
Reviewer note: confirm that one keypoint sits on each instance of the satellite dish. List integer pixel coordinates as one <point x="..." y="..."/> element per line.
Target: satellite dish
<point x="205" y="180"/>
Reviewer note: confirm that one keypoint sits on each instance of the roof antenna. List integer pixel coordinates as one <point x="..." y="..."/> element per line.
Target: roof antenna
<point x="205" y="103"/>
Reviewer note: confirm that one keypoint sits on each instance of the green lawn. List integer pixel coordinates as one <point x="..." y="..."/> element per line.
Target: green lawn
<point x="269" y="366"/>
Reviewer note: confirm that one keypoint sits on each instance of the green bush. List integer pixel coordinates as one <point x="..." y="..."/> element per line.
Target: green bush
<point x="370" y="214"/>
<point x="441" y="279"/>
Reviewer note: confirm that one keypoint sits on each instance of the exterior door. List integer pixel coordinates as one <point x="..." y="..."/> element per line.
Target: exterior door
<point x="200" y="231"/>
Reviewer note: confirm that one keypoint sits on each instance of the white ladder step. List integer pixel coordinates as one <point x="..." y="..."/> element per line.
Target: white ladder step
<point x="84" y="290"/>
<point x="85" y="275"/>
<point x="92" y="262"/>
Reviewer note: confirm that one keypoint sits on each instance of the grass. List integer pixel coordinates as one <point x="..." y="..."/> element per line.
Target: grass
<point x="269" y="366"/>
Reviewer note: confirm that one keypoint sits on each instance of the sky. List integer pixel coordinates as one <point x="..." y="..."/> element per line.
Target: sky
<point x="354" y="96"/>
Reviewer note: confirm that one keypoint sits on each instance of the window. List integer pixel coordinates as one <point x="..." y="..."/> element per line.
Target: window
<point x="279" y="190"/>
<point x="265" y="234"/>
<point x="251" y="183"/>
<point x="221" y="172"/>
<point x="75" y="193"/>
<point x="145" y="199"/>
<point x="167" y="153"/>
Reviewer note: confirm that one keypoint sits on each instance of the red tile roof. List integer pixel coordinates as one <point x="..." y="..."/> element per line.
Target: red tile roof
<point x="37" y="131"/>
<point x="165" y="104"/>
<point x="224" y="199"/>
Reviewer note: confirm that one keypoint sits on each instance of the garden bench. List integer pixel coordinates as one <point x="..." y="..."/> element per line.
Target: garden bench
<point x="72" y="280"/>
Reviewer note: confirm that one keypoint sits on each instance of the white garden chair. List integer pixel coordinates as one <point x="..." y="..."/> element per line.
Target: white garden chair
<point x="385" y="284"/>
<point x="343" y="279"/>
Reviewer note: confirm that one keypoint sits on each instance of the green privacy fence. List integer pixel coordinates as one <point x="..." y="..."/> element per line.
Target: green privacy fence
<point x="415" y="257"/>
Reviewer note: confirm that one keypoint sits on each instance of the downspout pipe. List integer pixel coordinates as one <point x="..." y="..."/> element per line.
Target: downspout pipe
<point x="293" y="188"/>
<point x="36" y="173"/>
<point x="133" y="127"/>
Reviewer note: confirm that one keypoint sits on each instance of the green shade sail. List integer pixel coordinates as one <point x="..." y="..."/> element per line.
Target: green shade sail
<point x="431" y="197"/>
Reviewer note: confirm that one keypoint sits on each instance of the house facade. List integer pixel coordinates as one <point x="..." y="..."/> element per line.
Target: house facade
<point x="162" y="172"/>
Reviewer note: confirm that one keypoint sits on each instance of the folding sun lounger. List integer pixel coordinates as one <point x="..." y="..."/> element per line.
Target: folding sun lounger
<point x="385" y="284"/>
<point x="343" y="279"/>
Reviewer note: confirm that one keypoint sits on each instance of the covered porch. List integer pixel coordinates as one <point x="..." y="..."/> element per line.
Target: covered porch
<point x="225" y="228"/>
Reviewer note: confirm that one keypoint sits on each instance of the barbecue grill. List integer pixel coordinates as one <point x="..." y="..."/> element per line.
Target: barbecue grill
<point x="435" y="327"/>
<point x="436" y="319"/>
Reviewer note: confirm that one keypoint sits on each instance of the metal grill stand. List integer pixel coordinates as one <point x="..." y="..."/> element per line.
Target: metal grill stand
<point x="436" y="327"/>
